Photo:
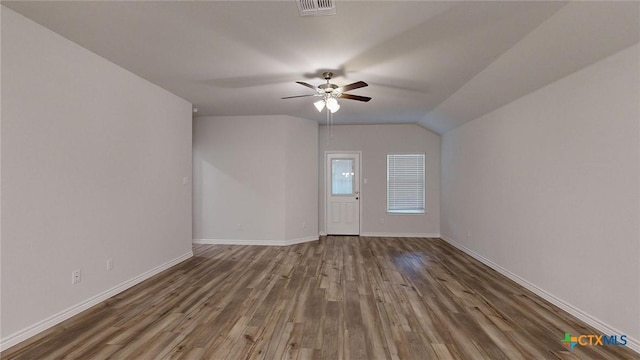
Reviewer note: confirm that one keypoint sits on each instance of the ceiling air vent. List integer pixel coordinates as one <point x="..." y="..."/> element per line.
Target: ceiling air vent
<point x="316" y="7"/>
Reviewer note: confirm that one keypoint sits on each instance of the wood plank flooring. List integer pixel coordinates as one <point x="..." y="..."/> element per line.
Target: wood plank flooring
<point x="337" y="298"/>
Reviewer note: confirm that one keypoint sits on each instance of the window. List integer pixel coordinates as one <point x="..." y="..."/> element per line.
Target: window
<point x="342" y="176"/>
<point x="405" y="183"/>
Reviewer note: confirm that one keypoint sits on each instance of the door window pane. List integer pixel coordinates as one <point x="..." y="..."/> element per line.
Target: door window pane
<point x="342" y="175"/>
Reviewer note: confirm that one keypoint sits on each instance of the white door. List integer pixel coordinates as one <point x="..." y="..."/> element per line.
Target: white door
<point x="342" y="179"/>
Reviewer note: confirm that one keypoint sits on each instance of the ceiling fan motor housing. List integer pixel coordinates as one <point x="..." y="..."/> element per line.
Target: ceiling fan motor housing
<point x="328" y="87"/>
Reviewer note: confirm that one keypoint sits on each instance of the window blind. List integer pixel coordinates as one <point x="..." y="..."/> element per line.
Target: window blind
<point x="405" y="183"/>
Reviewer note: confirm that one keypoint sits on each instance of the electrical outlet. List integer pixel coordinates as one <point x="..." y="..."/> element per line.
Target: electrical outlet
<point x="109" y="264"/>
<point x="304" y="224"/>
<point x="76" y="276"/>
<point x="238" y="227"/>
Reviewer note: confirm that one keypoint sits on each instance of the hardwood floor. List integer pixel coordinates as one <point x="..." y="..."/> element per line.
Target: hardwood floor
<point x="337" y="298"/>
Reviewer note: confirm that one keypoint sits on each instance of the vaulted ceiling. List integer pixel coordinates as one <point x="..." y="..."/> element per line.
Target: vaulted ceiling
<point x="437" y="64"/>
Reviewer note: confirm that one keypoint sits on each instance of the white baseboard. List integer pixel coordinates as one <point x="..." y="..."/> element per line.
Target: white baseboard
<point x="302" y="240"/>
<point x="632" y="343"/>
<point x="383" y="234"/>
<point x="255" y="242"/>
<point x="43" y="325"/>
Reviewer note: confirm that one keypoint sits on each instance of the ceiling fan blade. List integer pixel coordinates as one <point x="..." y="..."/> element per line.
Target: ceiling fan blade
<point x="297" y="96"/>
<point x="307" y="85"/>
<point x="355" y="85"/>
<point x="355" y="97"/>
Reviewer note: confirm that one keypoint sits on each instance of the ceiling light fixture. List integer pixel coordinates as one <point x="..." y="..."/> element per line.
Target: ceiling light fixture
<point x="319" y="105"/>
<point x="330" y="102"/>
<point x="331" y="92"/>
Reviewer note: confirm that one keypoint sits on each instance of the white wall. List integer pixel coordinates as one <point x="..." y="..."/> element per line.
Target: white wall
<point x="93" y="159"/>
<point x="255" y="180"/>
<point x="547" y="189"/>
<point x="375" y="142"/>
<point x="301" y="179"/>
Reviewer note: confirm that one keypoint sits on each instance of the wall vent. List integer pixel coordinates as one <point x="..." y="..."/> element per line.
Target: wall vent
<point x="316" y="7"/>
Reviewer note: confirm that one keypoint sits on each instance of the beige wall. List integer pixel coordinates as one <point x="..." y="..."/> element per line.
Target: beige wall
<point x="375" y="142"/>
<point x="93" y="161"/>
<point x="255" y="180"/>
<point x="547" y="189"/>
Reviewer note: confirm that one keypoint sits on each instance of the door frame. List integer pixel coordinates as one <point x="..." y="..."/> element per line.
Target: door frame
<point x="326" y="186"/>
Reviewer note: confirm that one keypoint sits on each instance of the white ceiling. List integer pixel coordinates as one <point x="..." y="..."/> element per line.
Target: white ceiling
<point x="438" y="64"/>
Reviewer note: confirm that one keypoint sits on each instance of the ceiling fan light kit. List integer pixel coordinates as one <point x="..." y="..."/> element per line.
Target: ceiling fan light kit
<point x="319" y="105"/>
<point x="332" y="104"/>
<point x="331" y="93"/>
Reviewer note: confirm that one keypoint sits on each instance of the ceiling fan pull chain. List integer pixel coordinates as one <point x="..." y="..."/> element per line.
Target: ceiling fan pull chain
<point x="330" y="122"/>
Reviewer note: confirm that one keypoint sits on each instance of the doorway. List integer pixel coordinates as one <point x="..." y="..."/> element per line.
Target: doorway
<point x="342" y="193"/>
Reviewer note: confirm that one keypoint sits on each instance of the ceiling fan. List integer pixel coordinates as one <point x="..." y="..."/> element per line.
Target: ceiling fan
<point x="330" y="93"/>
